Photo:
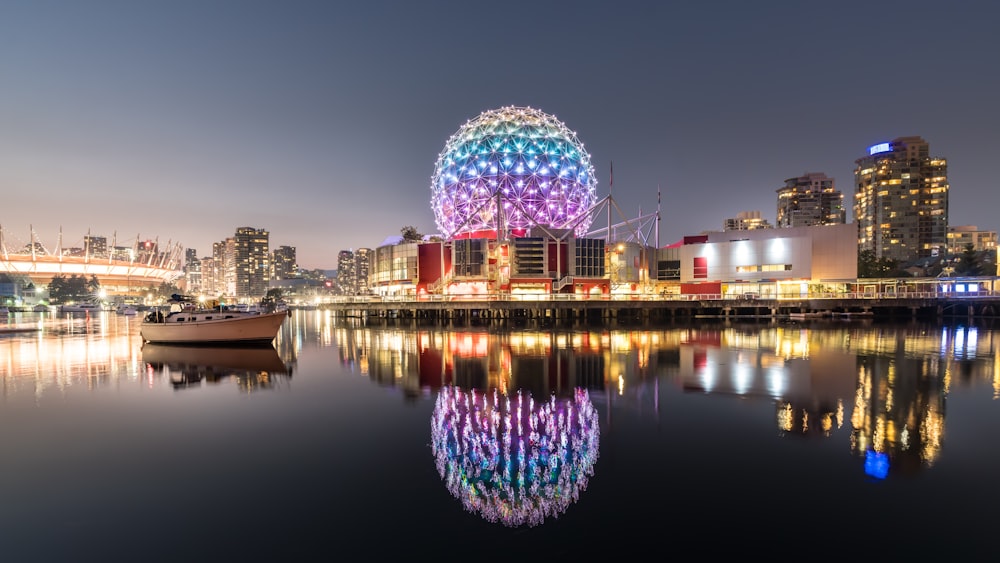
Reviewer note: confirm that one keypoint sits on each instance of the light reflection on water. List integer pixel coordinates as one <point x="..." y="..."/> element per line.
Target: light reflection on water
<point x="696" y="418"/>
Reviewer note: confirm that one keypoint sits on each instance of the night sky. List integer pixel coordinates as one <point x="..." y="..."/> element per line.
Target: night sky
<point x="321" y="121"/>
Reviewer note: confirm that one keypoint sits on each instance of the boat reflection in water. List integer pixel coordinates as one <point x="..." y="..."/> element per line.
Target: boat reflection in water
<point x="252" y="368"/>
<point x="513" y="460"/>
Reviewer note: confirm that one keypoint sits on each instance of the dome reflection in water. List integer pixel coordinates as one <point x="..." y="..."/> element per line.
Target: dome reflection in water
<point x="511" y="459"/>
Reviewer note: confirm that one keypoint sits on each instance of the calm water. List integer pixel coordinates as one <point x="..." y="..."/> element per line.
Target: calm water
<point x="837" y="439"/>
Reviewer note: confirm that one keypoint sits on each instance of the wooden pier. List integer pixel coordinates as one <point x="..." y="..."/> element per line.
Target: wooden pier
<point x="454" y="310"/>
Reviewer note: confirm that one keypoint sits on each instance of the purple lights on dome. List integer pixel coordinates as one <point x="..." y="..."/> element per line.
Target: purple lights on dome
<point x="512" y="460"/>
<point x="521" y="159"/>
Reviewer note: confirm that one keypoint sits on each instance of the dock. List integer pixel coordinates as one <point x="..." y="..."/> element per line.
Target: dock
<point x="658" y="309"/>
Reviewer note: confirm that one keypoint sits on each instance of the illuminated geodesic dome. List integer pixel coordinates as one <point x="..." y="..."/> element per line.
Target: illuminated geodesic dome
<point x="512" y="460"/>
<point x="523" y="159"/>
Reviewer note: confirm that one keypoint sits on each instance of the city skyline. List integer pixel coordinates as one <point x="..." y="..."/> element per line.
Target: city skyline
<point x="321" y="122"/>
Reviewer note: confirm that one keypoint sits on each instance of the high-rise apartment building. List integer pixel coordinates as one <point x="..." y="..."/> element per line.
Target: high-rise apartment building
<point x="901" y="200"/>
<point x="213" y="276"/>
<point x="208" y="273"/>
<point x="253" y="262"/>
<point x="346" y="272"/>
<point x="362" y="264"/>
<point x="810" y="200"/>
<point x="95" y="247"/>
<point x="746" y="221"/>
<point x="192" y="271"/>
<point x="283" y="263"/>
<point x="224" y="268"/>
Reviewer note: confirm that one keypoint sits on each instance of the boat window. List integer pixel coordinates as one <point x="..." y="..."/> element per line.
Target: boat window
<point x="181" y="319"/>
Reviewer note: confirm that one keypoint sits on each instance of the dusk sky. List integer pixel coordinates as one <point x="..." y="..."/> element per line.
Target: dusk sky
<point x="321" y="121"/>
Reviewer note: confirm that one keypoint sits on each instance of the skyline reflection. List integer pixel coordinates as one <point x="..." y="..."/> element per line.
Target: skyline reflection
<point x="885" y="386"/>
<point x="533" y="438"/>
<point x="888" y="384"/>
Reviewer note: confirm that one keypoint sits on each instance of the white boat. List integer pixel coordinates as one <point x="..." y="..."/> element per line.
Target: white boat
<point x="40" y="308"/>
<point x="211" y="326"/>
<point x="127" y="310"/>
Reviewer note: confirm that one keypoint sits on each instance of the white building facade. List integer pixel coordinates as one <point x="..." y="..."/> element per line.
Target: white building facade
<point x="772" y="262"/>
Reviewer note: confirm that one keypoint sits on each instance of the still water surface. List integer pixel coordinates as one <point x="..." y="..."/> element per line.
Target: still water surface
<point x="818" y="440"/>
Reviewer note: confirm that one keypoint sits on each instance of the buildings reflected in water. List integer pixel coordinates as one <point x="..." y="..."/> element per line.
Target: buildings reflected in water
<point x="94" y="351"/>
<point x="889" y="383"/>
<point x="887" y="386"/>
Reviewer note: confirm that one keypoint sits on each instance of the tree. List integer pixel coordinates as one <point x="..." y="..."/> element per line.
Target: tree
<point x="162" y="292"/>
<point x="411" y="234"/>
<point x="968" y="263"/>
<point x="73" y="288"/>
<point x="871" y="267"/>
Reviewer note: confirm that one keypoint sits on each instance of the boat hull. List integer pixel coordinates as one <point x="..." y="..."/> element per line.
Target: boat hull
<point x="220" y="329"/>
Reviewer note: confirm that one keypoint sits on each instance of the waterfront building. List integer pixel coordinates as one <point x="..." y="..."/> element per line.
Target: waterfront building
<point x="508" y="193"/>
<point x="541" y="264"/>
<point x="513" y="193"/>
<point x="810" y="199"/>
<point x="395" y="271"/>
<point x="901" y="200"/>
<point x="746" y="221"/>
<point x="764" y="262"/>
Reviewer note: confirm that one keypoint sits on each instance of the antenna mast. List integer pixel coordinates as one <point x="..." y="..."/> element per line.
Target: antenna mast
<point x="611" y="183"/>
